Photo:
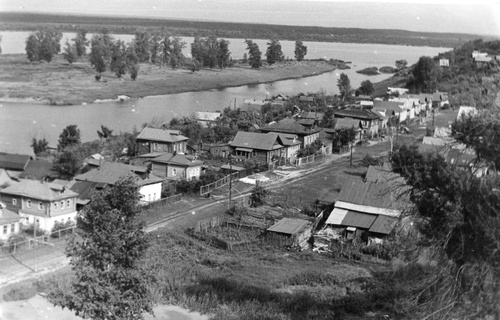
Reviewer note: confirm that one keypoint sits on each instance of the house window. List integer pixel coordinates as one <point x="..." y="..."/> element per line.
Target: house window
<point x="62" y="204"/>
<point x="149" y="197"/>
<point x="12" y="228"/>
<point x="68" y="203"/>
<point x="55" y="205"/>
<point x="14" y="201"/>
<point x="155" y="146"/>
<point x="40" y="206"/>
<point x="254" y="154"/>
<point x="174" y="171"/>
<point x="28" y="204"/>
<point x="154" y="196"/>
<point x="5" y="229"/>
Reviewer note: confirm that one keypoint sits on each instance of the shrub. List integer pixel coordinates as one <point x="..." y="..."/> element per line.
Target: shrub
<point x="371" y="161"/>
<point x="62" y="226"/>
<point x="21" y="292"/>
<point x="30" y="230"/>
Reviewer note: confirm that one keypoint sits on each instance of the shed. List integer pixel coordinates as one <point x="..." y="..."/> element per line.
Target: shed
<point x="298" y="231"/>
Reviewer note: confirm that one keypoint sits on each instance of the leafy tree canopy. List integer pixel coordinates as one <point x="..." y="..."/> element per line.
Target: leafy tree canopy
<point x="344" y="85"/>
<point x="70" y="136"/>
<point x="274" y="53"/>
<point x="254" y="54"/>
<point x="300" y="50"/>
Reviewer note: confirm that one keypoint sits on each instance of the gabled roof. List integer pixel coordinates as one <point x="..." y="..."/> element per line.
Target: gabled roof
<point x="14" y="161"/>
<point x="255" y="140"/>
<point x="39" y="190"/>
<point x="38" y="169"/>
<point x="382" y="174"/>
<point x="177" y="159"/>
<point x="84" y="190"/>
<point x="383" y="224"/>
<point x="111" y="172"/>
<point x="287" y="139"/>
<point x="306" y="122"/>
<point x="388" y="105"/>
<point x="161" y="135"/>
<point x="7" y="216"/>
<point x="362" y="114"/>
<point x="347" y="123"/>
<point x="437" y="141"/>
<point x="289" y="226"/>
<point x="383" y="195"/>
<point x="288" y="125"/>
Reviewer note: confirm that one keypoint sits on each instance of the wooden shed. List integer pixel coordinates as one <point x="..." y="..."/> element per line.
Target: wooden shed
<point x="294" y="232"/>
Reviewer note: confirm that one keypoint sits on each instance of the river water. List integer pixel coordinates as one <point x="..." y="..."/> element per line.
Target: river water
<point x="20" y="122"/>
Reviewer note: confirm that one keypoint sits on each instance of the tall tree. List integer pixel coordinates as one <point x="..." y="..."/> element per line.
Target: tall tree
<point x="300" y="50"/>
<point x="344" y="85"/>
<point x="43" y="44"/>
<point x="254" y="54"/>
<point x="110" y="283"/>
<point x="81" y="42"/>
<point x="426" y="75"/>
<point x="177" y="57"/>
<point x="142" y="45"/>
<point x="366" y="87"/>
<point x="401" y="64"/>
<point x="70" y="52"/>
<point x="118" y="59"/>
<point x="224" y="55"/>
<point x="70" y="136"/>
<point x="0" y="44"/>
<point x="154" y="47"/>
<point x="39" y="146"/>
<point x="67" y="164"/>
<point x="274" y="53"/>
<point x="100" y="50"/>
<point x="165" y="49"/>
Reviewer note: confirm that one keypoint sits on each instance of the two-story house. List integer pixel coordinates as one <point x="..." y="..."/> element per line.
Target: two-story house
<point x="368" y="120"/>
<point x="176" y="166"/>
<point x="264" y="147"/>
<point x="305" y="135"/>
<point x="40" y="203"/>
<point x="392" y="109"/>
<point x="152" y="140"/>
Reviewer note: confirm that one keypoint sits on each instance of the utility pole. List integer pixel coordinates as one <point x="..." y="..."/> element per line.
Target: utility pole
<point x="34" y="240"/>
<point x="351" y="153"/>
<point x="230" y="180"/>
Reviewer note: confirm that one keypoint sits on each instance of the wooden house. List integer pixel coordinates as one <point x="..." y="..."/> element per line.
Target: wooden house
<point x="305" y="135"/>
<point x="40" y="203"/>
<point x="264" y="148"/>
<point x="160" y="140"/>
<point x="291" y="232"/>
<point x="10" y="222"/>
<point x="368" y="120"/>
<point x="176" y="166"/>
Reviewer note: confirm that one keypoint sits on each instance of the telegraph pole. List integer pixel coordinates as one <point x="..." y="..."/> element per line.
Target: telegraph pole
<point x="230" y="180"/>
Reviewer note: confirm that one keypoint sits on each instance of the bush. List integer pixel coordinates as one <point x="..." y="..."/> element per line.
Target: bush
<point x="62" y="226"/>
<point x="21" y="292"/>
<point x="29" y="230"/>
<point x="371" y="161"/>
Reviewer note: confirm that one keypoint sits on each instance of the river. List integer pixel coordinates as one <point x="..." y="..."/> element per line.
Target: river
<point x="20" y="122"/>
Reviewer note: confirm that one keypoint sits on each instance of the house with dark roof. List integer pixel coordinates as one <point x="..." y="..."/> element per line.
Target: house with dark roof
<point x="41" y="203"/>
<point x="14" y="163"/>
<point x="39" y="169"/>
<point x="84" y="190"/>
<point x="9" y="222"/>
<point x="264" y="147"/>
<point x="368" y="209"/>
<point x="368" y="120"/>
<point x="176" y="166"/>
<point x="110" y="172"/>
<point x="160" y="140"/>
<point x="305" y="135"/>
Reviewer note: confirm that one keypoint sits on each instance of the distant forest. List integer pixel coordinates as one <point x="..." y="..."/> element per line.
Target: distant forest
<point x="13" y="21"/>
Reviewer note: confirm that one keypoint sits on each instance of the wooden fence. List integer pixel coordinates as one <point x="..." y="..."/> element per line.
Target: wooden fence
<point x="218" y="184"/>
<point x="163" y="202"/>
<point x="309" y="159"/>
<point x="13" y="247"/>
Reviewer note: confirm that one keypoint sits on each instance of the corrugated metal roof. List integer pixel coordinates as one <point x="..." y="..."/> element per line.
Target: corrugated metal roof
<point x="358" y="219"/>
<point x="347" y="123"/>
<point x="336" y="216"/>
<point x="385" y="195"/>
<point x="381" y="174"/>
<point x="383" y="224"/>
<point x="11" y="161"/>
<point x="177" y="159"/>
<point x="110" y="173"/>
<point x="288" y="226"/>
<point x="161" y="135"/>
<point x="7" y="216"/>
<point x="436" y="141"/>
<point x="362" y="114"/>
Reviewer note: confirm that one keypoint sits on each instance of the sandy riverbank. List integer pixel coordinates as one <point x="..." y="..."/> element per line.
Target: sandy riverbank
<point x="60" y="83"/>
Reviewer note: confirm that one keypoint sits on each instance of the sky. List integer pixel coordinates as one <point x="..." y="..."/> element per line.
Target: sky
<point x="474" y="16"/>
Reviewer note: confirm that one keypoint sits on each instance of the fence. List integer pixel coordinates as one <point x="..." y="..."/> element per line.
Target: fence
<point x="13" y="246"/>
<point x="218" y="184"/>
<point x="309" y="159"/>
<point x="163" y="202"/>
